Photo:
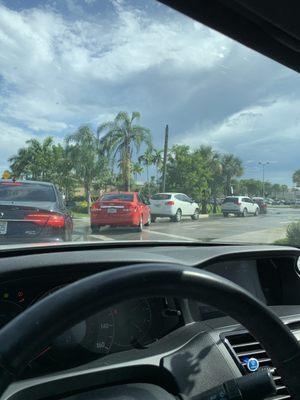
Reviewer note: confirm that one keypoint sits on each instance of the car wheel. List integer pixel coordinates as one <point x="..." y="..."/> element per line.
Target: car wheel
<point x="225" y="214"/>
<point x="148" y="221"/>
<point x="256" y="213"/>
<point x="95" y="228"/>
<point x="177" y="216"/>
<point x="153" y="219"/>
<point x="245" y="212"/>
<point x="195" y="216"/>
<point x="141" y="225"/>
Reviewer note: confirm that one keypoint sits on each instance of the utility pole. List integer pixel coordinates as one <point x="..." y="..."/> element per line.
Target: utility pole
<point x="165" y="158"/>
<point x="263" y="164"/>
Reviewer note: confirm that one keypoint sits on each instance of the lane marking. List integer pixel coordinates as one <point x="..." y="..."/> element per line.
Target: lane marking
<point x="173" y="236"/>
<point x="101" y="237"/>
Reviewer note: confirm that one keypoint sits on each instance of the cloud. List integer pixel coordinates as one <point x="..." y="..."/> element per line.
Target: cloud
<point x="269" y="131"/>
<point x="56" y="70"/>
<point x="71" y="62"/>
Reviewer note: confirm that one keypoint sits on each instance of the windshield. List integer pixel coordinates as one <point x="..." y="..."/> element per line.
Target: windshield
<point x="125" y="101"/>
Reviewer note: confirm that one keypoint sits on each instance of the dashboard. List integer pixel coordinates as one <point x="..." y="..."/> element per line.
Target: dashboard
<point x="131" y="324"/>
<point x="145" y="329"/>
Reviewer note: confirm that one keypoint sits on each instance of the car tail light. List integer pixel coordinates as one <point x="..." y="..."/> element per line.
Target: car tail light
<point x="48" y="219"/>
<point x="130" y="207"/>
<point x="170" y="203"/>
<point x="238" y="203"/>
<point x="95" y="206"/>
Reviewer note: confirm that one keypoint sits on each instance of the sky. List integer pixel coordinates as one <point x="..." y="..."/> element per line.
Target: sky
<point x="64" y="63"/>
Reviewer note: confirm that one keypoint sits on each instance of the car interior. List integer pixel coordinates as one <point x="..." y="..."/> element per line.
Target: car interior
<point x="159" y="320"/>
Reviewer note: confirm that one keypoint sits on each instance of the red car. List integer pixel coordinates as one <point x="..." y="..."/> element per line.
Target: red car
<point x="120" y="209"/>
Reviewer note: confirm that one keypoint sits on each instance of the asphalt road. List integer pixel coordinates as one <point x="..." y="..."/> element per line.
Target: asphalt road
<point x="261" y="229"/>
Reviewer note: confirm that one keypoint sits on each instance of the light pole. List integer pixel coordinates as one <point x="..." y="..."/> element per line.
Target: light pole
<point x="263" y="164"/>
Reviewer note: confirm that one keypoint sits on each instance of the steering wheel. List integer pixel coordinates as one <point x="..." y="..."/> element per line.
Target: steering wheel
<point x="35" y="328"/>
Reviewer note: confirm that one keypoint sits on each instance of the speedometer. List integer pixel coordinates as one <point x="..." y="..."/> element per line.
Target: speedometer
<point x="132" y="322"/>
<point x="99" y="333"/>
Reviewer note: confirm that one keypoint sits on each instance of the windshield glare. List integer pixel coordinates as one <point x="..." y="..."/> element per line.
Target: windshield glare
<point x="123" y="101"/>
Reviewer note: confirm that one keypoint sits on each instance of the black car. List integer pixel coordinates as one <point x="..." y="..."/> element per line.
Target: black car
<point x="32" y="211"/>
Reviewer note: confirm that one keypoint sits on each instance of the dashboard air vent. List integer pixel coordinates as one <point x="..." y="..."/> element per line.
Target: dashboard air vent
<point x="244" y="347"/>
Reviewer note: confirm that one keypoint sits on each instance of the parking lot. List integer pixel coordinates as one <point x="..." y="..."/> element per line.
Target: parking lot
<point x="261" y="229"/>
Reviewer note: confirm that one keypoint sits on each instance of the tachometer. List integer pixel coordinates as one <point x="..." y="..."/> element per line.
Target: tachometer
<point x="132" y="322"/>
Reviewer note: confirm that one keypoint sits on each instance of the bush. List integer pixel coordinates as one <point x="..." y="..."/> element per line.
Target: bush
<point x="293" y="234"/>
<point x="81" y="207"/>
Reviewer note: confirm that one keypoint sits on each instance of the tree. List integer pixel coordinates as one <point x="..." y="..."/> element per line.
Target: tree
<point x="147" y="159"/>
<point x="82" y="150"/>
<point x="250" y="187"/>
<point x="214" y="177"/>
<point x="187" y="172"/>
<point x="136" y="169"/>
<point x="296" y="177"/>
<point x="121" y="138"/>
<point x="276" y="189"/>
<point x="157" y="161"/>
<point x="34" y="161"/>
<point x="284" y="189"/>
<point x="231" y="167"/>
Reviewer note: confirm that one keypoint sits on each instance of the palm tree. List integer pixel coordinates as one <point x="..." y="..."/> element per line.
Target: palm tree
<point x="136" y="169"/>
<point x="147" y="159"/>
<point x="35" y="160"/>
<point x="231" y="167"/>
<point x="121" y="138"/>
<point x="157" y="161"/>
<point x="82" y="150"/>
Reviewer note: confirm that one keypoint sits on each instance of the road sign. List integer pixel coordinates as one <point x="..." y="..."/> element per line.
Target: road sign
<point x="6" y="175"/>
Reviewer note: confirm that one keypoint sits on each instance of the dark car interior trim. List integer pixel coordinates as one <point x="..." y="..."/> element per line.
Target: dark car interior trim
<point x="270" y="27"/>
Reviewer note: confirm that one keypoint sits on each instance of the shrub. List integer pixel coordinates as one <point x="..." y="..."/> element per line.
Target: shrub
<point x="81" y="207"/>
<point x="293" y="234"/>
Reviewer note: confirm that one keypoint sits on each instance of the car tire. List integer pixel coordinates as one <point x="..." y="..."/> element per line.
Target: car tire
<point x="95" y="228"/>
<point x="256" y="212"/>
<point x="177" y="216"/>
<point x="148" y="223"/>
<point x="245" y="212"/>
<point x="196" y="214"/>
<point x="153" y="219"/>
<point x="225" y="214"/>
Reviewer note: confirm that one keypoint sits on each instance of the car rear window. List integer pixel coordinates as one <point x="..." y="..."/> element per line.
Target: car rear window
<point x="230" y="200"/>
<point x="26" y="192"/>
<point x="161" y="196"/>
<point x="118" y="196"/>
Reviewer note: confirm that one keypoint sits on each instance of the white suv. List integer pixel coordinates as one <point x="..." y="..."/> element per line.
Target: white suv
<point x="173" y="205"/>
<point x="239" y="205"/>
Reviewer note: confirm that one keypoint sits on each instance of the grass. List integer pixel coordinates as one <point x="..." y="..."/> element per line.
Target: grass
<point x="282" y="242"/>
<point x="79" y="215"/>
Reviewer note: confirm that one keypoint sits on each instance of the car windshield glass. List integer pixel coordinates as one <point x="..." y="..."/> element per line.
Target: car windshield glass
<point x="26" y="193"/>
<point x="125" y="100"/>
<point x="161" y="196"/>
<point x="121" y="197"/>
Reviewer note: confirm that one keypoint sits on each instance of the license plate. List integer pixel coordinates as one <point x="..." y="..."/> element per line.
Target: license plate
<point x="111" y="210"/>
<point x="3" y="227"/>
